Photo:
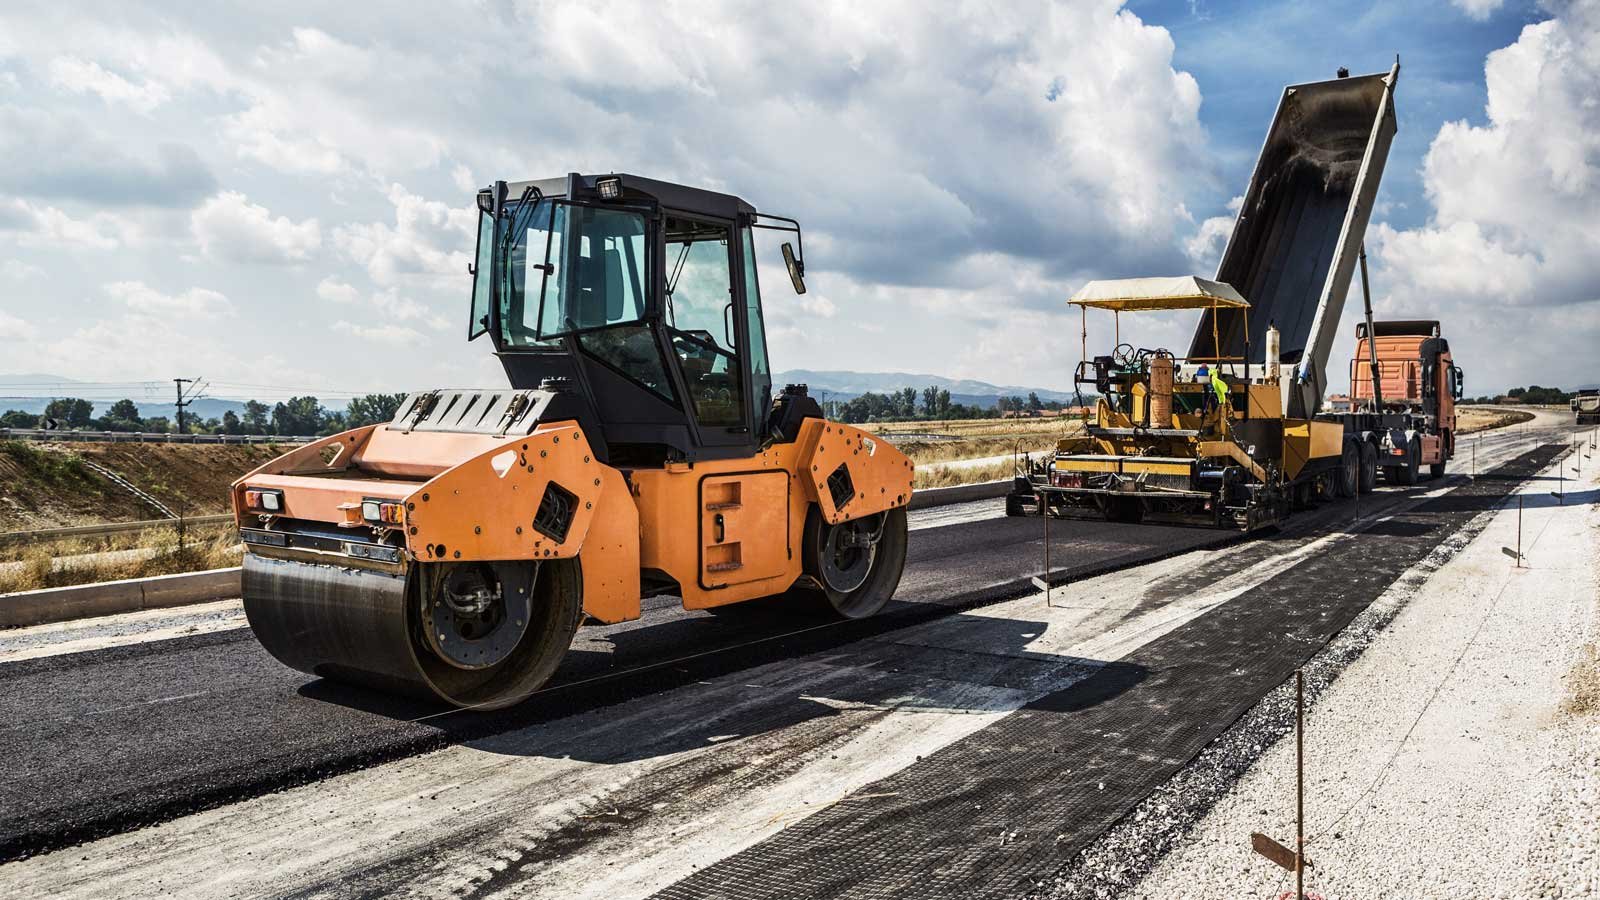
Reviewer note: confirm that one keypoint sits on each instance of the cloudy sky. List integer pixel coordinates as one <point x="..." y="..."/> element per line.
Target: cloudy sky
<point x="279" y="196"/>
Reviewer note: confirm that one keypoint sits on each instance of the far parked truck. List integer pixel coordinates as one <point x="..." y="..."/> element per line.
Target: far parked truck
<point x="1586" y="407"/>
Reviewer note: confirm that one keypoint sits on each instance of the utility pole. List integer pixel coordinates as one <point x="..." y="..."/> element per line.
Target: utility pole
<point x="185" y="397"/>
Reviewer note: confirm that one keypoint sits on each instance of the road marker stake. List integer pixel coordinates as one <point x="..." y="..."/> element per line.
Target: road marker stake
<point x="1044" y="513"/>
<point x="1293" y="860"/>
<point x="1517" y="553"/>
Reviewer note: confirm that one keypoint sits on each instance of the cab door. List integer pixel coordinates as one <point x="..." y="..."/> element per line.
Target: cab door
<point x="704" y="312"/>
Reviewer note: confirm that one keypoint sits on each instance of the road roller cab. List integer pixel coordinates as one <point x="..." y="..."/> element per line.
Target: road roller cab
<point x="637" y="451"/>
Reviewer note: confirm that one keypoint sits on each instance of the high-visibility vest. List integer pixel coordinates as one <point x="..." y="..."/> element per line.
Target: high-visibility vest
<point x="1220" y="387"/>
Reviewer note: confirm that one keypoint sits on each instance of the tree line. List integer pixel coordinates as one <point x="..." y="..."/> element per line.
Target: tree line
<point x="1533" y="395"/>
<point x="932" y="403"/>
<point x="295" y="416"/>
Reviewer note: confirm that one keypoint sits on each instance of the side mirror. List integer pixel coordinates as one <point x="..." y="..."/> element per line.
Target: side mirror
<point x="797" y="268"/>
<point x="1461" y="384"/>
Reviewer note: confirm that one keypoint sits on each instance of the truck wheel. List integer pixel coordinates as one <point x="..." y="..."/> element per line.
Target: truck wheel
<point x="1369" y="467"/>
<point x="1406" y="473"/>
<point x="857" y="563"/>
<point x="1347" y="478"/>
<point x="1436" y="470"/>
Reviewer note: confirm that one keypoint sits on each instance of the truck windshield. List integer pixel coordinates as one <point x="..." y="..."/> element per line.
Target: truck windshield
<point x="568" y="269"/>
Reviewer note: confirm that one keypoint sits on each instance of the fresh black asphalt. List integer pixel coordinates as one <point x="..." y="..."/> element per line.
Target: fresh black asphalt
<point x="998" y="812"/>
<point x="108" y="740"/>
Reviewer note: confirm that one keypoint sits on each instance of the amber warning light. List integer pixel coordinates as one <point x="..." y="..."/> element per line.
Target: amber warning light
<point x="264" y="501"/>
<point x="382" y="512"/>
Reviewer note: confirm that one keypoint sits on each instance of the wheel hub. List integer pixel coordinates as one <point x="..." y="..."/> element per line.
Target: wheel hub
<point x="847" y="553"/>
<point x="471" y="623"/>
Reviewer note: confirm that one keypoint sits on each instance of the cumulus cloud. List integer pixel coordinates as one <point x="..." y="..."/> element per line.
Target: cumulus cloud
<point x="59" y="156"/>
<point x="387" y="303"/>
<point x="907" y="143"/>
<point x="15" y="329"/>
<point x="45" y="226"/>
<point x="302" y="116"/>
<point x="336" y="291"/>
<point x="87" y="77"/>
<point x="972" y="160"/>
<point x="141" y="298"/>
<point x="1205" y="247"/>
<point x="390" y="334"/>
<point x="230" y="227"/>
<point x="1514" y="200"/>
<point x="1479" y="10"/>
<point x="428" y="237"/>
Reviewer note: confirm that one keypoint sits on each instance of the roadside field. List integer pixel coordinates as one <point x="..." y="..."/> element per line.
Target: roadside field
<point x="1483" y="418"/>
<point x="929" y="443"/>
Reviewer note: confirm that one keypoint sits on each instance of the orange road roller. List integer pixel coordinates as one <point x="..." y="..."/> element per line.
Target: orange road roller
<point x="453" y="552"/>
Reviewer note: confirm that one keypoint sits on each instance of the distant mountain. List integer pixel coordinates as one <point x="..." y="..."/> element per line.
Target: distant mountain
<point x="41" y="389"/>
<point x="847" y="385"/>
<point x="838" y="385"/>
<point x="206" y="408"/>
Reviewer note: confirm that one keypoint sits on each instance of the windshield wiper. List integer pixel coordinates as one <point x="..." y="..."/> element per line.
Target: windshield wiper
<point x="525" y="205"/>
<point x="672" y="281"/>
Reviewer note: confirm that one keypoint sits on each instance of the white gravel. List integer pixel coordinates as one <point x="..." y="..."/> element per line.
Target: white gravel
<point x="1440" y="763"/>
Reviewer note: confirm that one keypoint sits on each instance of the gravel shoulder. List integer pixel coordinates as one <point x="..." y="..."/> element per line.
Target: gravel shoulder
<point x="1448" y="758"/>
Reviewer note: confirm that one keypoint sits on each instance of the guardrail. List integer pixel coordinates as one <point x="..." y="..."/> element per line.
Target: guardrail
<point x="109" y="597"/>
<point x="147" y="437"/>
<point x="51" y="534"/>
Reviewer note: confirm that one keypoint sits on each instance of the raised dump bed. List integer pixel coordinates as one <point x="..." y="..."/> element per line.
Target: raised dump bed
<point x="1298" y="235"/>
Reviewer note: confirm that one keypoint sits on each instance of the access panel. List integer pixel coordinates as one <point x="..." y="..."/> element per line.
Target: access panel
<point x="744" y="528"/>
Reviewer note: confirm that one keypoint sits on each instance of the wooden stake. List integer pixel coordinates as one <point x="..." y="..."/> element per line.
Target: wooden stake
<point x="1300" y="784"/>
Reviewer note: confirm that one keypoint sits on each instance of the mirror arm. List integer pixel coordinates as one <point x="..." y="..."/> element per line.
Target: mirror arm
<point x="789" y="225"/>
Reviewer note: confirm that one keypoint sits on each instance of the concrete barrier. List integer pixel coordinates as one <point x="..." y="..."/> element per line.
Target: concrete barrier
<point x="961" y="493"/>
<point x="108" y="597"/>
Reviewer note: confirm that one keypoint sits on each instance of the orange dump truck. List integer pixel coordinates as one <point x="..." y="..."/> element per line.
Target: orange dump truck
<point x="1409" y="421"/>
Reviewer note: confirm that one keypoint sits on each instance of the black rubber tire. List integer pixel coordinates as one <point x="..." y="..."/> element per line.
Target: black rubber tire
<point x="1014" y="507"/>
<point x="1368" y="479"/>
<point x="1406" y="474"/>
<point x="1347" y="480"/>
<point x="887" y="565"/>
<point x="1436" y="470"/>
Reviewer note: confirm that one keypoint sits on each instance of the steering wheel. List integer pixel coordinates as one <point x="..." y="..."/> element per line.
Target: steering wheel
<point x="1123" y="355"/>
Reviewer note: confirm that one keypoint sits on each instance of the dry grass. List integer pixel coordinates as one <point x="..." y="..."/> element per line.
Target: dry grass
<point x="949" y="451"/>
<point x="47" y="565"/>
<point x="977" y="438"/>
<point x="969" y="428"/>
<point x="80" y="546"/>
<point x="940" y="477"/>
<point x="1583" y="683"/>
<point x="1484" y="418"/>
